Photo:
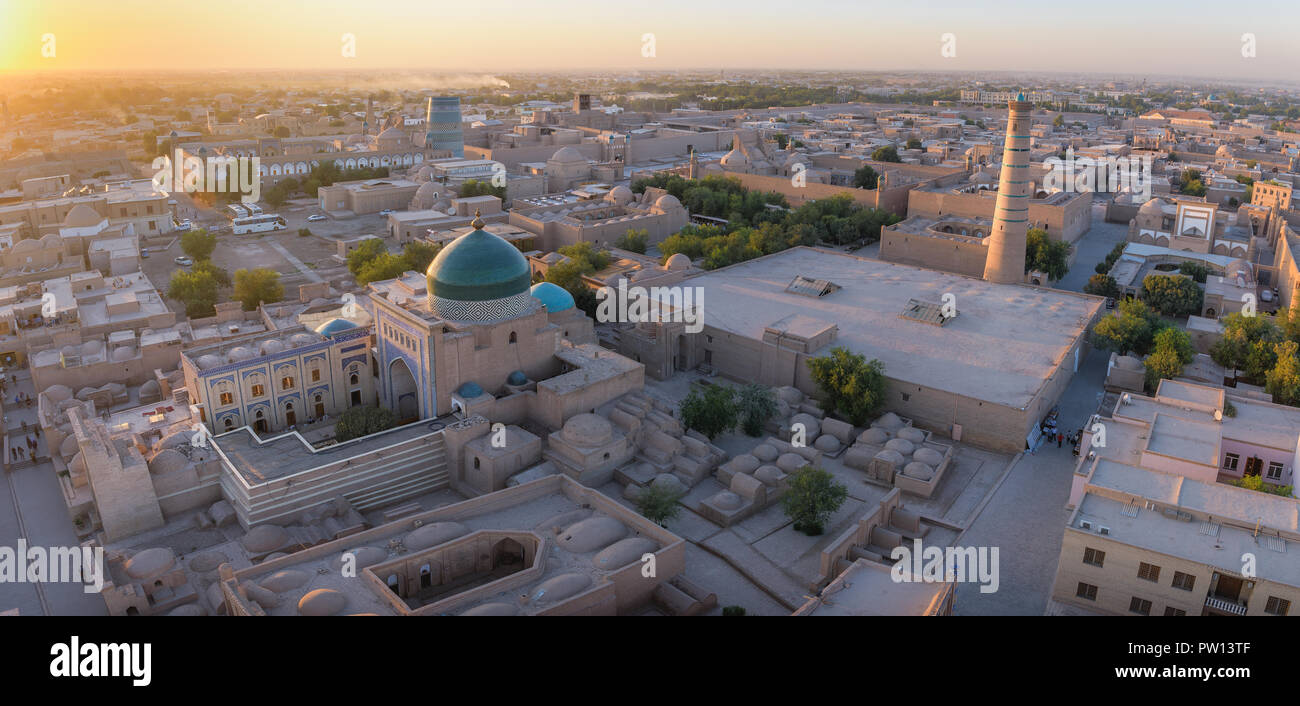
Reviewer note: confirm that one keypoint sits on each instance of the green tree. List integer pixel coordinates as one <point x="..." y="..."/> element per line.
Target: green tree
<point x="197" y="290"/>
<point x="710" y="410"/>
<point x="634" y="240"/>
<point x="914" y="143"/>
<point x="1058" y="121"/>
<point x="886" y="154"/>
<point x="812" y="498"/>
<point x="1132" y="328"/>
<point x="1176" y="340"/>
<point x="1195" y="270"/>
<point x="362" y="254"/>
<point x="850" y="385"/>
<point x="362" y="420"/>
<point x="1163" y="363"/>
<point x="419" y="254"/>
<point x="659" y="503"/>
<point x="1283" y="381"/>
<point x="198" y="244"/>
<point x="385" y="266"/>
<point x="1172" y="295"/>
<point x="1102" y="286"/>
<point x="756" y="404"/>
<point x="281" y="131"/>
<point x="474" y="187"/>
<point x="1046" y="255"/>
<point x="865" y="177"/>
<point x="257" y="286"/>
<point x="221" y="277"/>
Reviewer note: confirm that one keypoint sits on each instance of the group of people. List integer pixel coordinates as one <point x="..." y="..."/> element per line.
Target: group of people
<point x="18" y="453"/>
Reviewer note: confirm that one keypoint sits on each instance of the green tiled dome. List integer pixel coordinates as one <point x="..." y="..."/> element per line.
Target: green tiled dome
<point x="478" y="266"/>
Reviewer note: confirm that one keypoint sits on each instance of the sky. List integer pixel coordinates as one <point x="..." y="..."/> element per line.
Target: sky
<point x="1133" y="37"/>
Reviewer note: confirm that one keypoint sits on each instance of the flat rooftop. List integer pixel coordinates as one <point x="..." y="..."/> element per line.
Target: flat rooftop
<point x="867" y="588"/>
<point x="1002" y="346"/>
<point x="260" y="461"/>
<point x="1220" y="543"/>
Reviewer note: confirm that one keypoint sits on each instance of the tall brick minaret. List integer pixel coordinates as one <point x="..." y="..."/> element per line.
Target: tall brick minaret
<point x="1006" y="257"/>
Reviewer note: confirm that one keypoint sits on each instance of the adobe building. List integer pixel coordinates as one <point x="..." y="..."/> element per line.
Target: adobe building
<point x="605" y="221"/>
<point x="986" y="375"/>
<point x="1154" y="526"/>
<point x="549" y="547"/>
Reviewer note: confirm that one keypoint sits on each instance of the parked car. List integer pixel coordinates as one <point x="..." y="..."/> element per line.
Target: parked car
<point x="386" y="212"/>
<point x="144" y="253"/>
<point x="316" y="217"/>
<point x="184" y="260"/>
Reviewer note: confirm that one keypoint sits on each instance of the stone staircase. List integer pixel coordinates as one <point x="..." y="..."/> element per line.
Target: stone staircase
<point x="429" y="474"/>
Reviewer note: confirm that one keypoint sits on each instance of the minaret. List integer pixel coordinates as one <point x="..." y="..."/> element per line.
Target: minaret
<point x="1005" y="262"/>
<point x="365" y="125"/>
<point x="428" y="126"/>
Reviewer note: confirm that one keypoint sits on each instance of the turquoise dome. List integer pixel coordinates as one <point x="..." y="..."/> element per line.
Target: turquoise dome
<point x="470" y="390"/>
<point x="517" y="378"/>
<point x="478" y="266"/>
<point x="333" y="326"/>
<point x="555" y="297"/>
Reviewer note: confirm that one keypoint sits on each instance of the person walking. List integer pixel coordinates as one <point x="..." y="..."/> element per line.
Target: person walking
<point x="1059" y="438"/>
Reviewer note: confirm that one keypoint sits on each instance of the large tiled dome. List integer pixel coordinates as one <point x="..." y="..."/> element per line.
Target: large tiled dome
<point x="479" y="277"/>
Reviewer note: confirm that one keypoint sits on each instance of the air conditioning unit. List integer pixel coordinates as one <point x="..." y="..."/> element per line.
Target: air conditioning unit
<point x="1103" y="530"/>
<point x="1084" y="524"/>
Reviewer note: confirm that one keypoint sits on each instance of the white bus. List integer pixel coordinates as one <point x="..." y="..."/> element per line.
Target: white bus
<point x="258" y="224"/>
<point x="234" y="211"/>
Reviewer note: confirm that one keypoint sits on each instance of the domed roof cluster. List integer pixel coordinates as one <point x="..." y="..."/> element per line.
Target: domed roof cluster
<point x="620" y="195"/>
<point x="588" y="430"/>
<point x="666" y="203"/>
<point x="553" y="296"/>
<point x="567" y="155"/>
<point x="426" y="196"/>
<point x="335" y="326"/>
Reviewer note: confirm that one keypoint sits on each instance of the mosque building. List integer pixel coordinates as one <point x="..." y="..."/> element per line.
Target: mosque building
<point x="471" y="324"/>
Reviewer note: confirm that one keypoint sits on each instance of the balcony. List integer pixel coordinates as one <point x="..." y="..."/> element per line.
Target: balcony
<point x="1224" y="605"/>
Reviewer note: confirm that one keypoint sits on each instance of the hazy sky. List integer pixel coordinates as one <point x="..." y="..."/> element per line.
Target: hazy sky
<point x="1199" y="37"/>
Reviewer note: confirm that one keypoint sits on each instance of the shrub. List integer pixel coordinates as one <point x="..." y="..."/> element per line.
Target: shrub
<point x="813" y="497"/>
<point x="659" y="503"/>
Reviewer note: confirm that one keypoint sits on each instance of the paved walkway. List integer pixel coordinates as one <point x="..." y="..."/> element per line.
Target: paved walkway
<point x="1026" y="517"/>
<point x="302" y="268"/>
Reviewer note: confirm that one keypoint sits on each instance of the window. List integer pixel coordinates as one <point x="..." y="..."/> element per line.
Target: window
<point x="1172" y="612"/>
<point x="1184" y="581"/>
<point x="1139" y="606"/>
<point x="1086" y="590"/>
<point x="514" y="338"/>
<point x="315" y="374"/>
<point x="259" y="390"/>
<point x="1277" y="606"/>
<point x="906" y="397"/>
<point x="354" y="379"/>
<point x="1094" y="557"/>
<point x="1230" y="461"/>
<point x="1275" y="470"/>
<point x="227" y="398"/>
<point x="286" y="383"/>
<point x="1149" y="572"/>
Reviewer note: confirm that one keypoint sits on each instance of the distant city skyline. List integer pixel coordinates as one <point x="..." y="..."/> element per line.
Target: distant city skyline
<point x="1190" y="38"/>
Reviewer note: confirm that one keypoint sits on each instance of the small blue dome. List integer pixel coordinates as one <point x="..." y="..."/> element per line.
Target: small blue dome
<point x="517" y="378"/>
<point x="333" y="326"/>
<point x="1020" y="97"/>
<point x="555" y="297"/>
<point x="470" y="390"/>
